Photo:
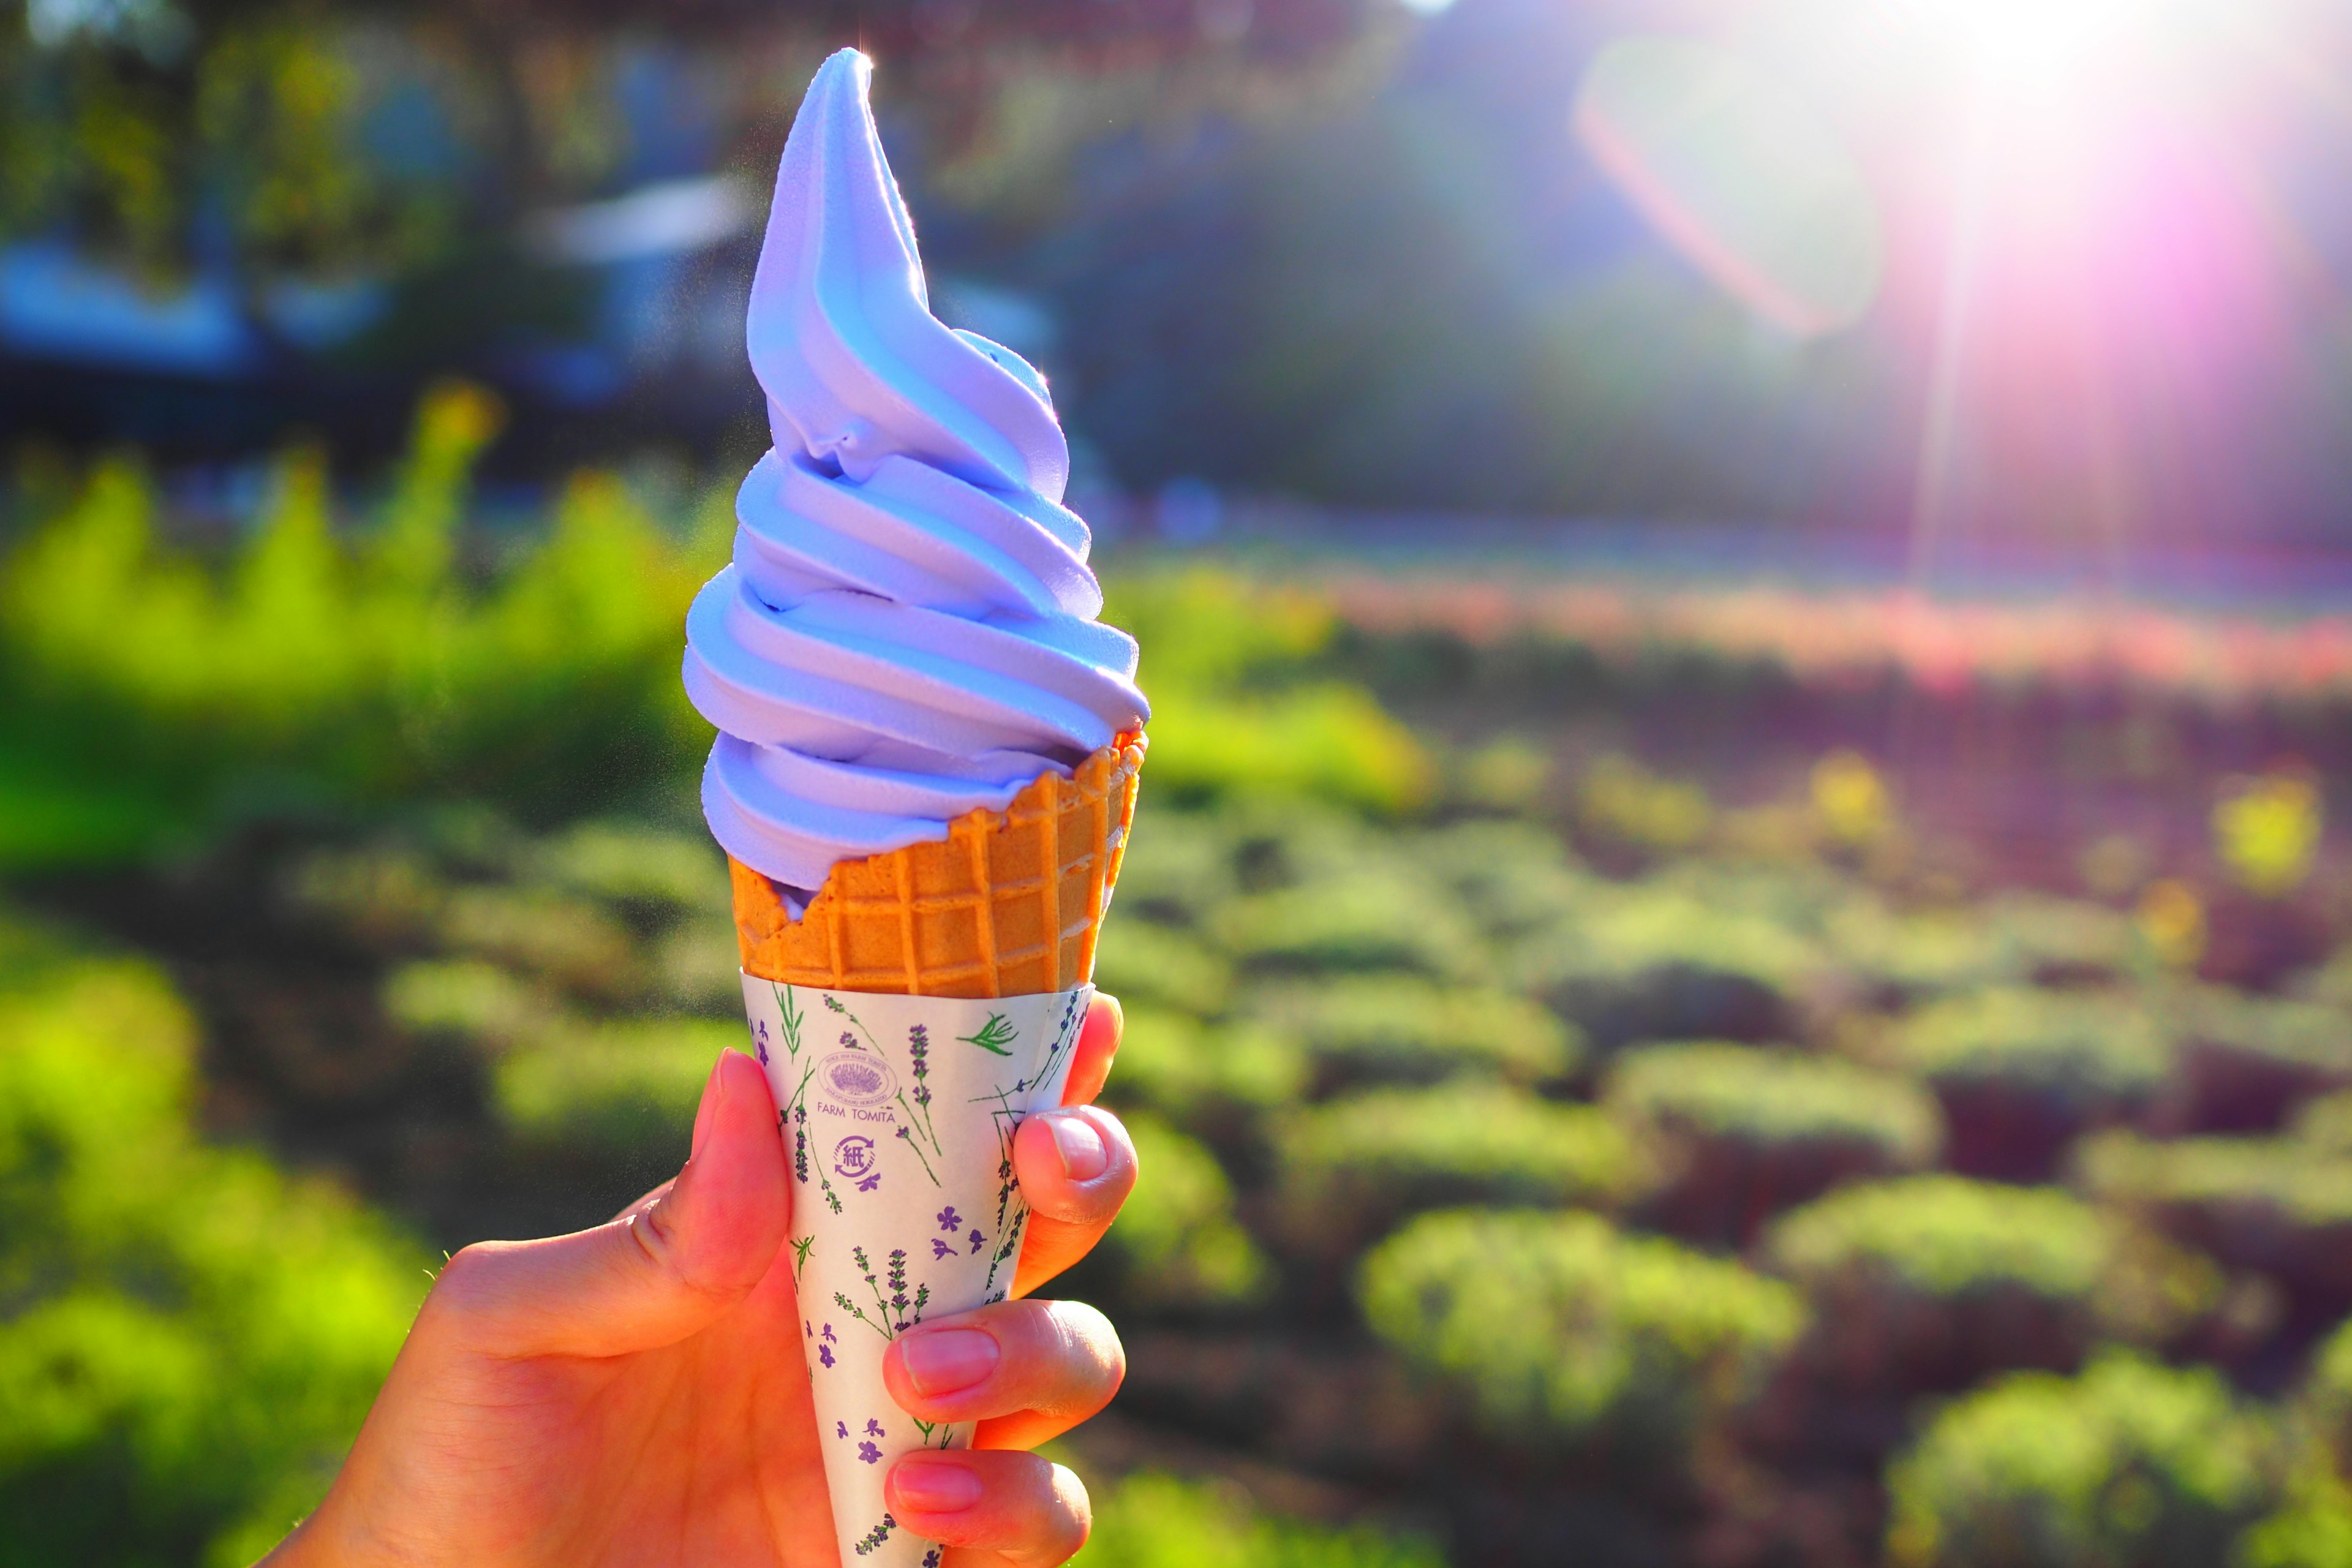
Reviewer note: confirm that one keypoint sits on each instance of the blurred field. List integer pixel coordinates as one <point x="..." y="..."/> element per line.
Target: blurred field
<point x="1623" y="1081"/>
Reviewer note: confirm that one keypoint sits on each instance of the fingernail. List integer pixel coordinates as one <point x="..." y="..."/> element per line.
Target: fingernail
<point x="934" y="1485"/>
<point x="1083" y="1156"/>
<point x="941" y="1361"/>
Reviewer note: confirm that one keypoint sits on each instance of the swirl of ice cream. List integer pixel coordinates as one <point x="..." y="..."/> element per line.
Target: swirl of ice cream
<point x="907" y="631"/>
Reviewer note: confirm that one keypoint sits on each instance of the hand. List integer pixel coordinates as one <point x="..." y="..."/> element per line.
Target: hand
<point x="635" y="1395"/>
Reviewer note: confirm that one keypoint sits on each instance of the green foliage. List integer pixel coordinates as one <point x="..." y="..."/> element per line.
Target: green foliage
<point x="2314" y="1530"/>
<point x="1776" y="1097"/>
<point x="117" y="127"/>
<point x="1370" y="920"/>
<point x="141" y="693"/>
<point x="2281" y="1178"/>
<point x="2083" y="1049"/>
<point x="619" y="1089"/>
<point x="2129" y="1464"/>
<point x="1512" y="877"/>
<point x="2325" y="1124"/>
<point x="465" y="997"/>
<point x="606" y="914"/>
<point x="1177" y="1240"/>
<point x="2269" y="1204"/>
<point x="1560" y="1333"/>
<point x="1350" y="1167"/>
<point x="191" y="1337"/>
<point x="1154" y="1521"/>
<point x="1619" y="798"/>
<point x="1389" y="1027"/>
<point x="1203" y="1076"/>
<point x="1178" y="867"/>
<point x="1947" y="1235"/>
<point x="2309" y="1041"/>
<point x="1932" y="1281"/>
<point x="1139" y="962"/>
<point x="1231" y="714"/>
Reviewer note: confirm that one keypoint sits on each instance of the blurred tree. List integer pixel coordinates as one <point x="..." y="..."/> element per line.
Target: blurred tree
<point x="319" y="138"/>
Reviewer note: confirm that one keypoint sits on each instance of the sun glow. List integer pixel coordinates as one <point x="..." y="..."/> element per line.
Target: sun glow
<point x="2036" y="47"/>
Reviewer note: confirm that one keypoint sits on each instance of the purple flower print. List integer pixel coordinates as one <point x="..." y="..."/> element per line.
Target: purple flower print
<point x="808" y="1328"/>
<point x="940" y="1249"/>
<point x="849" y="1039"/>
<point x="951" y="1221"/>
<point x="872" y="1181"/>
<point x="827" y="1336"/>
<point x="977" y="1239"/>
<point x="825" y="1355"/>
<point x="869" y="1453"/>
<point x="931" y="1558"/>
<point x="841" y="1428"/>
<point x="760" y="1042"/>
<point x="873" y="1428"/>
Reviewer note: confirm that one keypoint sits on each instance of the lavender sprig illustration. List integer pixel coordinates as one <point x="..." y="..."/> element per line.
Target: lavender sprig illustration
<point x="914" y="1141"/>
<point x="945" y="1431"/>
<point x="871" y="1541"/>
<point x="894" y="1312"/>
<point x="802" y="1244"/>
<point x="834" y="1004"/>
<point x="919" y="1114"/>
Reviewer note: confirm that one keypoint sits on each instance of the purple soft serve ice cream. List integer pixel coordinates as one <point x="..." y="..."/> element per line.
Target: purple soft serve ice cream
<point x="908" y="630"/>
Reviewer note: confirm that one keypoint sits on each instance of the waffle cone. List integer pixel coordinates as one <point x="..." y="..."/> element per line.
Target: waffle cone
<point x="1009" y="904"/>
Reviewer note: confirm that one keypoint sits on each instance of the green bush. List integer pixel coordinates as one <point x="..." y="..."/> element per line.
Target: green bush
<point x="2020" y="1071"/>
<point x="1154" y="1521"/>
<point x="625" y="1091"/>
<point x="144" y="695"/>
<point x="2270" y="1204"/>
<point x="1373" y="920"/>
<point x="1137" y="962"/>
<point x="2251" y="1059"/>
<point x="1349" y="1169"/>
<point x="1234" y="709"/>
<point x="2313" y="1530"/>
<point x="2130" y="1464"/>
<point x="611" y="912"/>
<point x="474" y="1001"/>
<point x="1561" y="1336"/>
<point x="190" y="1338"/>
<point x="1512" y="876"/>
<point x="2325" y="1124"/>
<point x="1932" y="1281"/>
<point x="1400" y="1028"/>
<point x="1743" y="1132"/>
<point x="1213" y="1079"/>
<point x="2060" y="940"/>
<point x="1673" y="958"/>
<point x="1177" y="1242"/>
<point x="1178" y="867"/>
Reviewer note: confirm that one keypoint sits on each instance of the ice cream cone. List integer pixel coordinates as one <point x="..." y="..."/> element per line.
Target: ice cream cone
<point x="1009" y="904"/>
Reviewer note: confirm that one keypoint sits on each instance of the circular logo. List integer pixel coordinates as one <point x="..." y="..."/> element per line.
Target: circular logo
<point x="854" y="1157"/>
<point x="857" y="1078"/>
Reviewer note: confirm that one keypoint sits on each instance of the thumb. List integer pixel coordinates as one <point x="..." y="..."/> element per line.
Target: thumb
<point x="662" y="1270"/>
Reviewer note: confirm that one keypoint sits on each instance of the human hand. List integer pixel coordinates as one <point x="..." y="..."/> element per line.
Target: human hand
<point x="636" y="1394"/>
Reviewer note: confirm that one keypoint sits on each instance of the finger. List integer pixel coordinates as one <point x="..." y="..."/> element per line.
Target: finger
<point x="1076" y="1165"/>
<point x="649" y="1199"/>
<point x="1000" y="1510"/>
<point x="659" y="1272"/>
<point x="1026" y="1371"/>
<point x="1097" y="1043"/>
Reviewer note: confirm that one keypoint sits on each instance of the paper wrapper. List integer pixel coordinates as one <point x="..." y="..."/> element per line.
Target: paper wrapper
<point x="898" y="1117"/>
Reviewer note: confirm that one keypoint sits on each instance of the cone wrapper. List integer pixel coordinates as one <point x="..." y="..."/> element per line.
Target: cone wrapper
<point x="897" y="1115"/>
